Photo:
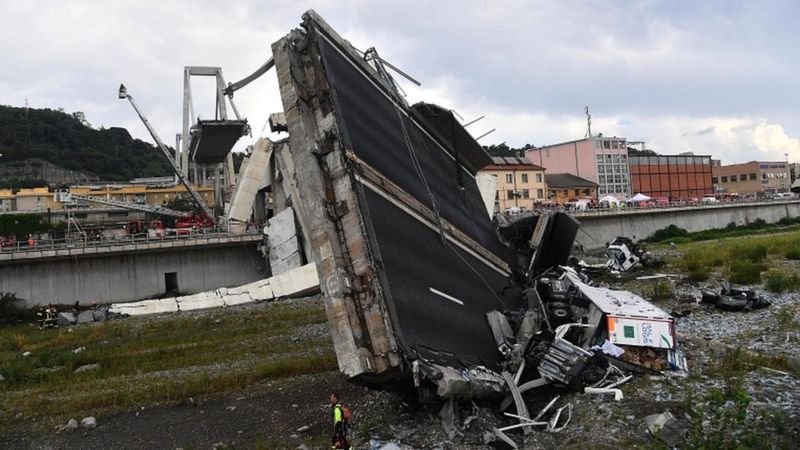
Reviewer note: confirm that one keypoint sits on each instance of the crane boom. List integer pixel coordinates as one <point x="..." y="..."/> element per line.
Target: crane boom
<point x="66" y="196"/>
<point x="123" y="94"/>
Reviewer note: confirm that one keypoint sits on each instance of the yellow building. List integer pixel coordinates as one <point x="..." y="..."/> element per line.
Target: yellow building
<point x="42" y="199"/>
<point x="520" y="183"/>
<point x="153" y="195"/>
<point x="6" y="200"/>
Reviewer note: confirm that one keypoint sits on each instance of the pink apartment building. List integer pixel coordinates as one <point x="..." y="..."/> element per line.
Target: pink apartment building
<point x="603" y="160"/>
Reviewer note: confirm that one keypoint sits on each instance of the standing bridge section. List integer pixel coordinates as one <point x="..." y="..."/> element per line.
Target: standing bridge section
<point x="130" y="270"/>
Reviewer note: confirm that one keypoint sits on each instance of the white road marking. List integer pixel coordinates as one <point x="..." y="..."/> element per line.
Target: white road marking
<point x="452" y="299"/>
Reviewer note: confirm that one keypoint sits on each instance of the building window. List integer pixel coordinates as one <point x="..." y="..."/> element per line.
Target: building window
<point x="539" y="179"/>
<point x="753" y="176"/>
<point x="526" y="193"/>
<point x="509" y="178"/>
<point x="509" y="194"/>
<point x="524" y="177"/>
<point x="601" y="169"/>
<point x="733" y="178"/>
<point x="714" y="180"/>
<point x="577" y="192"/>
<point x="743" y="177"/>
<point x="539" y="193"/>
<point x="607" y="145"/>
<point x="724" y="179"/>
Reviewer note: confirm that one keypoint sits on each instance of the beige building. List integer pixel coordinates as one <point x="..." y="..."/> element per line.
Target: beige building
<point x="35" y="199"/>
<point x="520" y="183"/>
<point x="754" y="177"/>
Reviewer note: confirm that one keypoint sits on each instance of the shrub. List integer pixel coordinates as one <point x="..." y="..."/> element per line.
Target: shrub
<point x="786" y="221"/>
<point x="744" y="271"/>
<point x="792" y="253"/>
<point x="9" y="307"/>
<point x="778" y="281"/>
<point x="699" y="274"/>
<point x="663" y="290"/>
<point x="670" y="232"/>
<point x="752" y="252"/>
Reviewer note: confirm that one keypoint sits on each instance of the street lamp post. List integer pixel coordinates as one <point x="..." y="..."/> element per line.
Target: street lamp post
<point x="788" y="174"/>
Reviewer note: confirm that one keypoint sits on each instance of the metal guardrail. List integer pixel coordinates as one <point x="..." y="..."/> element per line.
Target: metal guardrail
<point x="114" y="241"/>
<point x="672" y="206"/>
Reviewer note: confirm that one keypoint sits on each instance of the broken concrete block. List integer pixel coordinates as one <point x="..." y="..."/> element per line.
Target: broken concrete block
<point x="477" y="382"/>
<point x="85" y="317"/>
<point x="89" y="423"/>
<point x="66" y="319"/>
<point x="296" y="282"/>
<point x="237" y="299"/>
<point x="284" y="246"/>
<point x="203" y="300"/>
<point x="249" y="182"/>
<point x="99" y="315"/>
<point x="71" y="425"/>
<point x="667" y="428"/>
<point x="143" y="307"/>
<point x="262" y="292"/>
<point x="448" y="416"/>
<point x="87" y="367"/>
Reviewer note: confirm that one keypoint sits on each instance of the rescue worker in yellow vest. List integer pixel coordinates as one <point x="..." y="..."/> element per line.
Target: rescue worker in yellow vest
<point x="339" y="439"/>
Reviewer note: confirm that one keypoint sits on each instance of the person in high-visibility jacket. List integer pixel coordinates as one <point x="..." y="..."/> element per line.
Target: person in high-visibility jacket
<point x="339" y="439"/>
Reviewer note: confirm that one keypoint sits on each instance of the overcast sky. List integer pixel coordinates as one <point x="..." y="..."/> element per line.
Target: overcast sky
<point x="715" y="77"/>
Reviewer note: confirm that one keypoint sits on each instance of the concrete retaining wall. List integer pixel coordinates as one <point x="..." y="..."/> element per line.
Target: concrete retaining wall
<point x="131" y="276"/>
<point x="601" y="228"/>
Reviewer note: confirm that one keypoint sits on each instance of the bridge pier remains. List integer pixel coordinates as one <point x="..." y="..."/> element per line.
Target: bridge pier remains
<point x="601" y="227"/>
<point x="131" y="272"/>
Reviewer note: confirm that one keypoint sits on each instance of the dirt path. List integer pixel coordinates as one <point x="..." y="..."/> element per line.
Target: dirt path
<point x="266" y="417"/>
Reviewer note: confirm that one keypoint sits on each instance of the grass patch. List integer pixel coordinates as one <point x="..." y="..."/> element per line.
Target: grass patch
<point x="745" y="272"/>
<point x="776" y="280"/>
<point x="786" y="320"/>
<point x="792" y="254"/>
<point x="741" y="260"/>
<point x="678" y="235"/>
<point x="150" y="360"/>
<point x="662" y="290"/>
<point x="737" y="362"/>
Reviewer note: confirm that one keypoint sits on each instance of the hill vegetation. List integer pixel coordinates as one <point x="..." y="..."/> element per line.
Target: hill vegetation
<point x="69" y="141"/>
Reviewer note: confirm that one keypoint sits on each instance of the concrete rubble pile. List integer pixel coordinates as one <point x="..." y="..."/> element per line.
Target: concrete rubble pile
<point x="421" y="287"/>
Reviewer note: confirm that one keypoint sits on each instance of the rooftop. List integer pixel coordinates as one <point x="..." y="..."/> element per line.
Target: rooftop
<point x="512" y="162"/>
<point x="568" y="180"/>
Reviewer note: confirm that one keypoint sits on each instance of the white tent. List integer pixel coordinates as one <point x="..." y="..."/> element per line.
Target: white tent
<point x="638" y="198"/>
<point x="610" y="199"/>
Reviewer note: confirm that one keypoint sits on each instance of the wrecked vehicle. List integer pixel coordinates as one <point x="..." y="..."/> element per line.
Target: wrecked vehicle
<point x="728" y="298"/>
<point x="622" y="255"/>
